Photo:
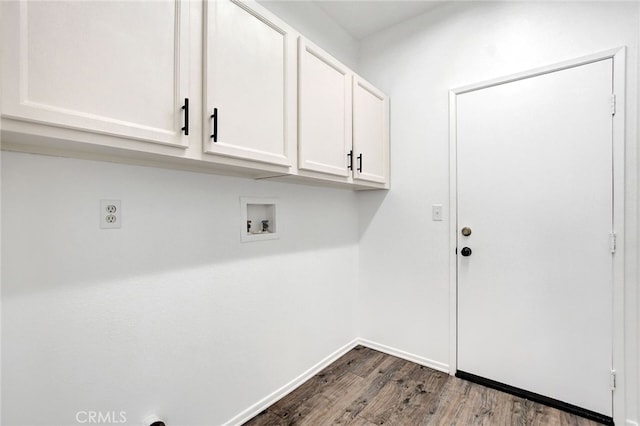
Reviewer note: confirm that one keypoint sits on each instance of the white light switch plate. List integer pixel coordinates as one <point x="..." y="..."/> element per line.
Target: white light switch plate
<point x="436" y="212"/>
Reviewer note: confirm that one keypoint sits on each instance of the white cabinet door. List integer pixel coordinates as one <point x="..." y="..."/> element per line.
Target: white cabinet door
<point x="249" y="78"/>
<point x="370" y="133"/>
<point x="324" y="112"/>
<point x="115" y="68"/>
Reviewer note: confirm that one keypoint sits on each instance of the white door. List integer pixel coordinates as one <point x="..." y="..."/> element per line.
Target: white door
<point x="117" y="68"/>
<point x="534" y="161"/>
<point x="370" y="133"/>
<point x="324" y="112"/>
<point x="249" y="77"/>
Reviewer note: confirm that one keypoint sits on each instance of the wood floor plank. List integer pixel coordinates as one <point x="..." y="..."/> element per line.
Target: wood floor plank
<point x="451" y="401"/>
<point x="296" y="399"/>
<point x="267" y="418"/>
<point x="359" y="421"/>
<point x="360" y="361"/>
<point x="387" y="400"/>
<point x="375" y="381"/>
<point x="405" y="396"/>
<point x="420" y="393"/>
<point x="326" y="403"/>
<point x="366" y="388"/>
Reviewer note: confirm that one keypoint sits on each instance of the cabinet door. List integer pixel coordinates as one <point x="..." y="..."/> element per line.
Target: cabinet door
<point x="324" y="111"/>
<point x="370" y="133"/>
<point x="115" y="68"/>
<point x="249" y="80"/>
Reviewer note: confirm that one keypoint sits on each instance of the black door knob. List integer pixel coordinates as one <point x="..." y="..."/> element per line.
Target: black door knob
<point x="466" y="251"/>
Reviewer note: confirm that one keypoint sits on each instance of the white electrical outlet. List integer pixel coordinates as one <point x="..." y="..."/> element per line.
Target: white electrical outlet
<point x="110" y="214"/>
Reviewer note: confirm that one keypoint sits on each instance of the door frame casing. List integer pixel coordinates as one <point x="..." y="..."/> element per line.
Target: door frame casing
<point x="618" y="56"/>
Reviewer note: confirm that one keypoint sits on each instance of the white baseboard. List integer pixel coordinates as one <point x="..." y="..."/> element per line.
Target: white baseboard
<point x="269" y="400"/>
<point x="436" y="365"/>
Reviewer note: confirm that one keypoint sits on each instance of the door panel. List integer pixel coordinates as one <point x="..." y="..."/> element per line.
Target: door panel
<point x="534" y="160"/>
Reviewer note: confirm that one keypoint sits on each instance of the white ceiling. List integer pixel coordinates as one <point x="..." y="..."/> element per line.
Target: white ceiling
<point x="361" y="18"/>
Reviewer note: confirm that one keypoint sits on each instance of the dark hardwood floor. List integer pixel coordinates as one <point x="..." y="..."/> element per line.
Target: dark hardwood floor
<point x="367" y="387"/>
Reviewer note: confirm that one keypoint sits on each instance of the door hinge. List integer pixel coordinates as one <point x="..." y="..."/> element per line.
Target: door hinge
<point x="613" y="104"/>
<point x="613" y="380"/>
<point x="613" y="242"/>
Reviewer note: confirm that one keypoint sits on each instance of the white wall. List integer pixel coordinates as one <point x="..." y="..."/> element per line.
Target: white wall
<point x="170" y="313"/>
<point x="404" y="256"/>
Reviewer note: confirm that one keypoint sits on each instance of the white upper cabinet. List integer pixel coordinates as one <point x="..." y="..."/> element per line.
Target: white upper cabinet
<point x="324" y="112"/>
<point x="343" y="123"/>
<point x="370" y="133"/>
<point x="112" y="68"/>
<point x="249" y="83"/>
<point x="138" y="81"/>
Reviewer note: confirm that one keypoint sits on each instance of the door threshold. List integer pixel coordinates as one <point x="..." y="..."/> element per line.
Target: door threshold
<point x="555" y="403"/>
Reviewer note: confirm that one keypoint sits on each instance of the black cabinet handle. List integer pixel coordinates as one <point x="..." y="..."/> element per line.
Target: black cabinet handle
<point x="185" y="107"/>
<point x="360" y="163"/>
<point x="350" y="162"/>
<point x="214" y="136"/>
